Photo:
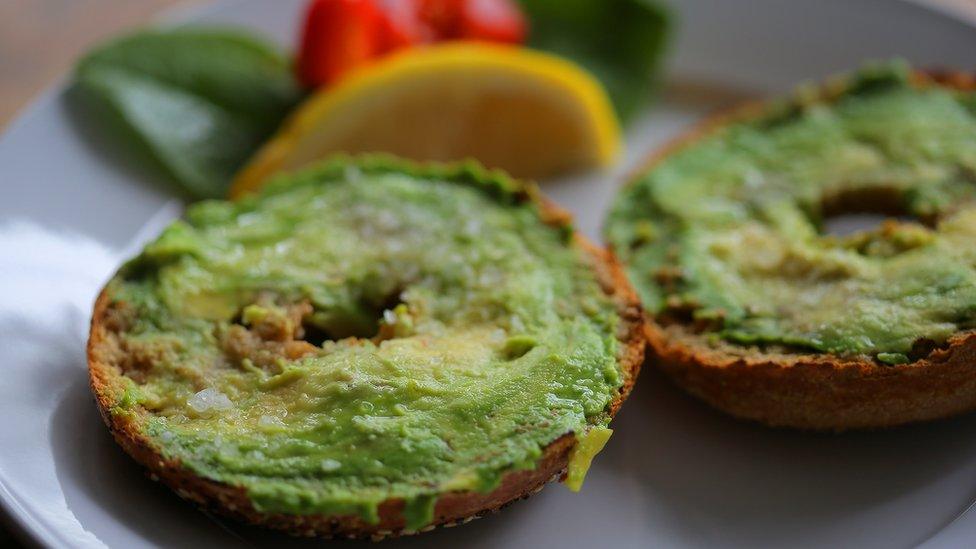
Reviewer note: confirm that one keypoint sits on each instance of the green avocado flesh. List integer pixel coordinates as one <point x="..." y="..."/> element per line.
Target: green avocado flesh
<point x="727" y="233"/>
<point x="362" y="331"/>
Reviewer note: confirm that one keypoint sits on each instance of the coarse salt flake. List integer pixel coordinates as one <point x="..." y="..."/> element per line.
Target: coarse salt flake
<point x="269" y="421"/>
<point x="209" y="399"/>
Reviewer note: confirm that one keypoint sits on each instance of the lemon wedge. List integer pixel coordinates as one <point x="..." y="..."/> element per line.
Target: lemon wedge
<point x="532" y="114"/>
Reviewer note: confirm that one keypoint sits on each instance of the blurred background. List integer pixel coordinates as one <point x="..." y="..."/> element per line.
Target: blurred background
<point x="40" y="39"/>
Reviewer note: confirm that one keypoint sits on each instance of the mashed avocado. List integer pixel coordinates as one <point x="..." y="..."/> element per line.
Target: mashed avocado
<point x="364" y="331"/>
<point x="728" y="232"/>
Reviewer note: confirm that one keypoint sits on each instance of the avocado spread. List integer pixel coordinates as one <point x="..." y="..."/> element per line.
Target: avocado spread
<point x="361" y="331"/>
<point x="728" y="233"/>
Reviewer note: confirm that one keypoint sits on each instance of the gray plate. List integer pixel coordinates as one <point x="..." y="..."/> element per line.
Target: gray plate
<point x="674" y="474"/>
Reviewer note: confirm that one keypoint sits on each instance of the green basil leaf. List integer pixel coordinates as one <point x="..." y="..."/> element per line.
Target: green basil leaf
<point x="200" y="100"/>
<point x="620" y="41"/>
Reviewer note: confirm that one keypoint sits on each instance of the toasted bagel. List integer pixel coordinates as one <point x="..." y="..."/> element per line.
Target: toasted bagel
<point x="785" y="380"/>
<point x="113" y="375"/>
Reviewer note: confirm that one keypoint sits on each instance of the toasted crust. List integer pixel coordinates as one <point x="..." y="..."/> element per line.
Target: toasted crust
<point x="451" y="508"/>
<point x="816" y="391"/>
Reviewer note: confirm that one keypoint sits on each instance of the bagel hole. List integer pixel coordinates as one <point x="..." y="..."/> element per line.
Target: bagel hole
<point x="853" y="223"/>
<point x="862" y="210"/>
<point x="365" y="321"/>
<point x="313" y="334"/>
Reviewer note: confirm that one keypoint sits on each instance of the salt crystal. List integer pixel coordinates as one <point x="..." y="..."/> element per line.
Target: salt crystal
<point x="269" y="421"/>
<point x="209" y="399"/>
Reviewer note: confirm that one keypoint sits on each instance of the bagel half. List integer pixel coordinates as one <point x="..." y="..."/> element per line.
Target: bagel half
<point x="783" y="385"/>
<point x="451" y="507"/>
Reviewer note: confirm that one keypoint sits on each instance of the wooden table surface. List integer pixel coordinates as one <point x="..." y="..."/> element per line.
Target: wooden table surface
<point x="39" y="40"/>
